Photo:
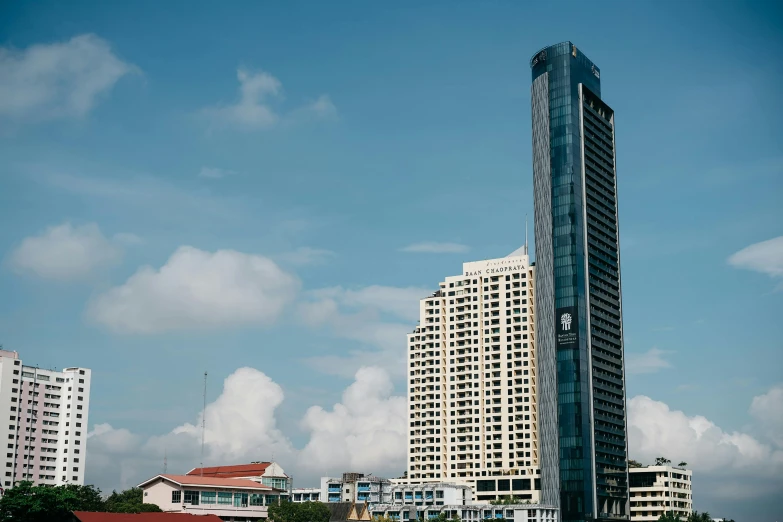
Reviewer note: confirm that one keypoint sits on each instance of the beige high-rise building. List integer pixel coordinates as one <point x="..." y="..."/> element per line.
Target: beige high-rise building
<point x="472" y="382"/>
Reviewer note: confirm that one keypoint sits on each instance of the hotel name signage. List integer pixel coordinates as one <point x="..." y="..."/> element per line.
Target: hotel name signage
<point x="495" y="270"/>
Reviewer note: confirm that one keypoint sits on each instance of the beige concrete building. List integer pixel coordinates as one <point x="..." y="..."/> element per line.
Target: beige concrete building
<point x="472" y="382"/>
<point x="656" y="489"/>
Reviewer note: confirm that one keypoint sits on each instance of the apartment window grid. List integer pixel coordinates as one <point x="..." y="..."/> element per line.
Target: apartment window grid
<point x="472" y="380"/>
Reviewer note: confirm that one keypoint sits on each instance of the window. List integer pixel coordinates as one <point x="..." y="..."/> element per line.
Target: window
<point x="485" y="485"/>
<point x="176" y="497"/>
<point x="208" y="497"/>
<point x="224" y="498"/>
<point x="256" y="499"/>
<point x="240" y="499"/>
<point x="191" y="497"/>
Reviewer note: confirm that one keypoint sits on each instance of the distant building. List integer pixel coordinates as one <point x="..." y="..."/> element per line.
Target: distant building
<point x="355" y="487"/>
<point x="472" y="382"/>
<point x="267" y="473"/>
<point x="431" y="494"/>
<point x="306" y="495"/>
<point x="657" y="489"/>
<point x="475" y="512"/>
<point x="232" y="499"/>
<point x="47" y="414"/>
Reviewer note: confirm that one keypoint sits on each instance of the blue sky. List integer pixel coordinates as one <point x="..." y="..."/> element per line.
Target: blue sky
<point x="364" y="128"/>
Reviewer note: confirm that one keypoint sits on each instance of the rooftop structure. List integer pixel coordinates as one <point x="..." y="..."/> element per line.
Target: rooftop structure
<point x="268" y="473"/>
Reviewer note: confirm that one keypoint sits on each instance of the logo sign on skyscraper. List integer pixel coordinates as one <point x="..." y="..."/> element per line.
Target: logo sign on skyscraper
<point x="567" y="320"/>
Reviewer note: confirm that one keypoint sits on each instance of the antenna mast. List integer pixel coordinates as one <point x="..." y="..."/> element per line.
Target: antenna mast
<point x="203" y="423"/>
<point x="526" y="251"/>
<point x="165" y="461"/>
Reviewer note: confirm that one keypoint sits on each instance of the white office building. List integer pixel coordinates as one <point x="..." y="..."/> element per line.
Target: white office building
<point x="658" y="489"/>
<point x="472" y="382"/>
<point x="46" y="429"/>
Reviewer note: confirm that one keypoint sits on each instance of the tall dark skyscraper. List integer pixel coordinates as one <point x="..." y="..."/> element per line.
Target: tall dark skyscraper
<point x="582" y="415"/>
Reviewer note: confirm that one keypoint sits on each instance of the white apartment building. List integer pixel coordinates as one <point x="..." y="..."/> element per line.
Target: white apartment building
<point x="656" y="489"/>
<point x="355" y="487"/>
<point x="472" y="382"/>
<point x="46" y="429"/>
<point x="468" y="513"/>
<point x="306" y="495"/>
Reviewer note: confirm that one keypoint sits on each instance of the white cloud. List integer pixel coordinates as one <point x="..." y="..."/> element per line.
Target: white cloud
<point x="254" y="111"/>
<point x="650" y="361"/>
<point x="436" y="248"/>
<point x="197" y="289"/>
<point x="65" y="252"/>
<point x="303" y="256"/>
<point x="126" y="238"/>
<point x="765" y="257"/>
<point x="377" y="317"/>
<point x="767" y="409"/>
<point x="726" y="465"/>
<point x="366" y="430"/>
<point x="58" y="80"/>
<point x="240" y="423"/>
<point x="214" y="173"/>
<point x="322" y="107"/>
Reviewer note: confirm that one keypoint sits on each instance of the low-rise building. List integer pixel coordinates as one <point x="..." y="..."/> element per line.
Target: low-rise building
<point x="431" y="494"/>
<point x="356" y="487"/>
<point x="658" y="489"/>
<point x="306" y="495"/>
<point x="475" y="512"/>
<point x="232" y="499"/>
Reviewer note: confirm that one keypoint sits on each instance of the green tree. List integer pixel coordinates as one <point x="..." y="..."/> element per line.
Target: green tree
<point x="682" y="464"/>
<point x="505" y="500"/>
<point x="27" y="503"/>
<point x="634" y="464"/>
<point x="668" y="516"/>
<point x="287" y="511"/>
<point x="662" y="461"/>
<point x="699" y="517"/>
<point x="129" y="501"/>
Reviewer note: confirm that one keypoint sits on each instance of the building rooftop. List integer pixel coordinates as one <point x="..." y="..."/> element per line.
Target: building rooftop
<point x="215" y="482"/>
<point x="242" y="470"/>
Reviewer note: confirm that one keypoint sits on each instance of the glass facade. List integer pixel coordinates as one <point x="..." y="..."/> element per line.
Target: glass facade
<point x="579" y="327"/>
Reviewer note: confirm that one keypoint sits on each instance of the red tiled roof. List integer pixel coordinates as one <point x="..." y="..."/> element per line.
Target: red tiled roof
<point x="188" y="480"/>
<point x="242" y="470"/>
<point x="85" y="516"/>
